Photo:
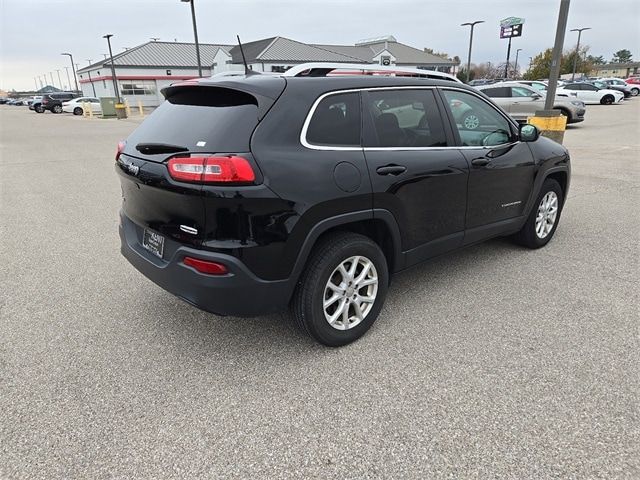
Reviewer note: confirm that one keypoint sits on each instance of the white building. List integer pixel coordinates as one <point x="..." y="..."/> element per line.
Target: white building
<point x="141" y="72"/>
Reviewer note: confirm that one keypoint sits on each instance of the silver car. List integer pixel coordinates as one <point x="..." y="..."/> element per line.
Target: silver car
<point x="522" y="101"/>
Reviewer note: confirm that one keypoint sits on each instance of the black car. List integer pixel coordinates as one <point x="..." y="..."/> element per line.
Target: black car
<point x="53" y="102"/>
<point x="245" y="195"/>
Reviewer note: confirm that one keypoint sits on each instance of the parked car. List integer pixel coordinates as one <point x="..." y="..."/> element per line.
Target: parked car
<point x="53" y="101"/>
<point x="244" y="195"/>
<point x="634" y="83"/>
<point x="522" y="101"/>
<point x="538" y="85"/>
<point x="3" y="100"/>
<point x="620" y="85"/>
<point x="76" y="105"/>
<point x="16" y="102"/>
<point x="36" y="100"/>
<point x="590" y="94"/>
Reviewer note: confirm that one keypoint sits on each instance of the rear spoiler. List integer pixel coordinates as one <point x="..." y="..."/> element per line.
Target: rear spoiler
<point x="265" y="93"/>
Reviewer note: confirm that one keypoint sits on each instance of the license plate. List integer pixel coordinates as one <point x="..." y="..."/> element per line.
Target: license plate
<point x="154" y="242"/>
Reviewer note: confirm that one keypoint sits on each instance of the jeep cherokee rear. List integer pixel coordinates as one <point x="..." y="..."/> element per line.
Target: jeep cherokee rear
<point x="247" y="194"/>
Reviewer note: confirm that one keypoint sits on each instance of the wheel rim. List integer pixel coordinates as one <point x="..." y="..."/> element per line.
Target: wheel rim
<point x="608" y="101"/>
<point x="57" y="109"/>
<point x="350" y="293"/>
<point x="471" y="122"/>
<point x="547" y="214"/>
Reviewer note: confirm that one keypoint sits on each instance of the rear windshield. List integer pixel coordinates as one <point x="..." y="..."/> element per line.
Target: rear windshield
<point x="201" y="119"/>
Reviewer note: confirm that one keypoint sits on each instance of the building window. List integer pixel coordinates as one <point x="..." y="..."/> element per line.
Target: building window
<point x="139" y="87"/>
<point x="168" y="71"/>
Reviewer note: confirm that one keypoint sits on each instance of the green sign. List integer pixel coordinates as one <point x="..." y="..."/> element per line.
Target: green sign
<point x="511" y="21"/>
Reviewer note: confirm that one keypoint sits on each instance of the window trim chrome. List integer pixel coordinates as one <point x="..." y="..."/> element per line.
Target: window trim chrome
<point x="337" y="148"/>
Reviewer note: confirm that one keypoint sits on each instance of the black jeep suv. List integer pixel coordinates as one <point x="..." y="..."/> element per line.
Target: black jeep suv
<point x="53" y="102"/>
<point x="246" y="194"/>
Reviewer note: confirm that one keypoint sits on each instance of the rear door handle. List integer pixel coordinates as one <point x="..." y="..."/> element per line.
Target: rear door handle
<point x="480" y="161"/>
<point x="391" y="170"/>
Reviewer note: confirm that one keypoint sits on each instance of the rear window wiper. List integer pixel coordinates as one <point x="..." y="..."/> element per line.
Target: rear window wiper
<point x="154" y="148"/>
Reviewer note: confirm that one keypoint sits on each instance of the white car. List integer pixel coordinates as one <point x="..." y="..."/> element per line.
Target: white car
<point x="591" y="94"/>
<point x="76" y="105"/>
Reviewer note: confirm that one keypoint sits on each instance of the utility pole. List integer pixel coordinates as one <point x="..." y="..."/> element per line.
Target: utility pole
<point x="68" y="77"/>
<point x="59" y="80"/>
<point x="472" y="25"/>
<point x="75" y="78"/>
<point x="93" y="87"/>
<point x="575" y="58"/>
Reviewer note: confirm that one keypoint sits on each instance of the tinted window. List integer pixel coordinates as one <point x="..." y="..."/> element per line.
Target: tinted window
<point x="497" y="92"/>
<point x="336" y="121"/>
<point x="477" y="122"/>
<point x="406" y="118"/>
<point x="592" y="87"/>
<point x="208" y="119"/>
<point x="573" y="86"/>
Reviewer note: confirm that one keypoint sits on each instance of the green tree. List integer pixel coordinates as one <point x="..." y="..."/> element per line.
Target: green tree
<point x="599" y="60"/>
<point x="622" y="56"/>
<point x="540" y="66"/>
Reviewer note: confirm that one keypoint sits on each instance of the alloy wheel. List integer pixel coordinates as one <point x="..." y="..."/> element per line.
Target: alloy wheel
<point x="350" y="292"/>
<point x="547" y="214"/>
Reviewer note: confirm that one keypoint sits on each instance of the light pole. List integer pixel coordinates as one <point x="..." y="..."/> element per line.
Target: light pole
<point x="575" y="59"/>
<point x="195" y="34"/>
<point x="563" y="15"/>
<point x="53" y="84"/>
<point x="93" y="87"/>
<point x="68" y="77"/>
<point x="59" y="81"/>
<point x="471" y="24"/>
<point x="515" y="68"/>
<point x="75" y="78"/>
<point x="113" y="69"/>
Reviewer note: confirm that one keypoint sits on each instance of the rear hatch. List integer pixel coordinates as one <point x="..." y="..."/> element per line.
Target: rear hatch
<point x="204" y="120"/>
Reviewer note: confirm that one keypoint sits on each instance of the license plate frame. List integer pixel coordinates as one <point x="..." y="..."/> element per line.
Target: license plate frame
<point x="153" y="242"/>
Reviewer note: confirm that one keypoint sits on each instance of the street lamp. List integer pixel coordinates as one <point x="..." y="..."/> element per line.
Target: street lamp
<point x="73" y="70"/>
<point x="471" y="24"/>
<point x="575" y="59"/>
<point x="113" y="69"/>
<point x="516" y="65"/>
<point x="195" y="34"/>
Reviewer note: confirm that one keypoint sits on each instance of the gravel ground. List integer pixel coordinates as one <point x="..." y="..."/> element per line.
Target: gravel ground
<point x="490" y="362"/>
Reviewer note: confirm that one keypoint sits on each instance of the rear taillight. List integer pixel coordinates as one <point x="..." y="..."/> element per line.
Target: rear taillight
<point x="211" y="169"/>
<point x="205" y="266"/>
<point x="120" y="149"/>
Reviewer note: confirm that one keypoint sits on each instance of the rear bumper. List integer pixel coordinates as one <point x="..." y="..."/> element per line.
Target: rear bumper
<point x="238" y="293"/>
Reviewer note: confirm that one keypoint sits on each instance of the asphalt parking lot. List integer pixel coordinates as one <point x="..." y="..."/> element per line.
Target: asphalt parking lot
<point x="491" y="362"/>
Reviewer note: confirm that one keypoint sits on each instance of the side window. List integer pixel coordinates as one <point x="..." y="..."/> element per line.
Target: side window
<point x="497" y="92"/>
<point x="336" y="121"/>
<point x="406" y="118"/>
<point x="572" y="86"/>
<point x="521" y="92"/>
<point x="477" y="122"/>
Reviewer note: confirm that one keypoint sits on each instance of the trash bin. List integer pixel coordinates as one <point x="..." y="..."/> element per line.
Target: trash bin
<point x="121" y="110"/>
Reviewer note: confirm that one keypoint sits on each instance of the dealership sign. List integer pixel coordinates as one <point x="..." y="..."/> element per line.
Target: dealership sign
<point x="511" y="27"/>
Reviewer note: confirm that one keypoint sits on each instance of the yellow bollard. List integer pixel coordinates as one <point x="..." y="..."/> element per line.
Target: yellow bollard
<point x="85" y="110"/>
<point x="552" y="127"/>
<point x="90" y="110"/>
<point x="128" y="108"/>
<point x="140" y="109"/>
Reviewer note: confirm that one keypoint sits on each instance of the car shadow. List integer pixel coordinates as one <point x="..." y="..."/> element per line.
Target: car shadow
<point x="205" y="334"/>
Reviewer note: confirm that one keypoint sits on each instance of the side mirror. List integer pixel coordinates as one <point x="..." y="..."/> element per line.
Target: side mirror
<point x="528" y="133"/>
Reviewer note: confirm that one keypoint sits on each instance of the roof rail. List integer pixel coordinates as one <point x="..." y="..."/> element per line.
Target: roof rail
<point x="322" y="69"/>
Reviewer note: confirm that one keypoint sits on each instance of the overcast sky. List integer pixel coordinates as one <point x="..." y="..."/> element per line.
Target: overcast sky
<point x="33" y="33"/>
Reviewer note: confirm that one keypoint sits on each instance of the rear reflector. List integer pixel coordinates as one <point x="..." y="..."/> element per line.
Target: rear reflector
<point x="212" y="169"/>
<point x="204" y="266"/>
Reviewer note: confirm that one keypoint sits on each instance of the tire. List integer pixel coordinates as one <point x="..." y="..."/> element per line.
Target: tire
<point x="607" y="100"/>
<point x="39" y="109"/>
<point x="566" y="113"/>
<point x="307" y="307"/>
<point x="470" y="120"/>
<point x="57" y="109"/>
<point x="531" y="235"/>
<point x="635" y="91"/>
<point x="78" y="111"/>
